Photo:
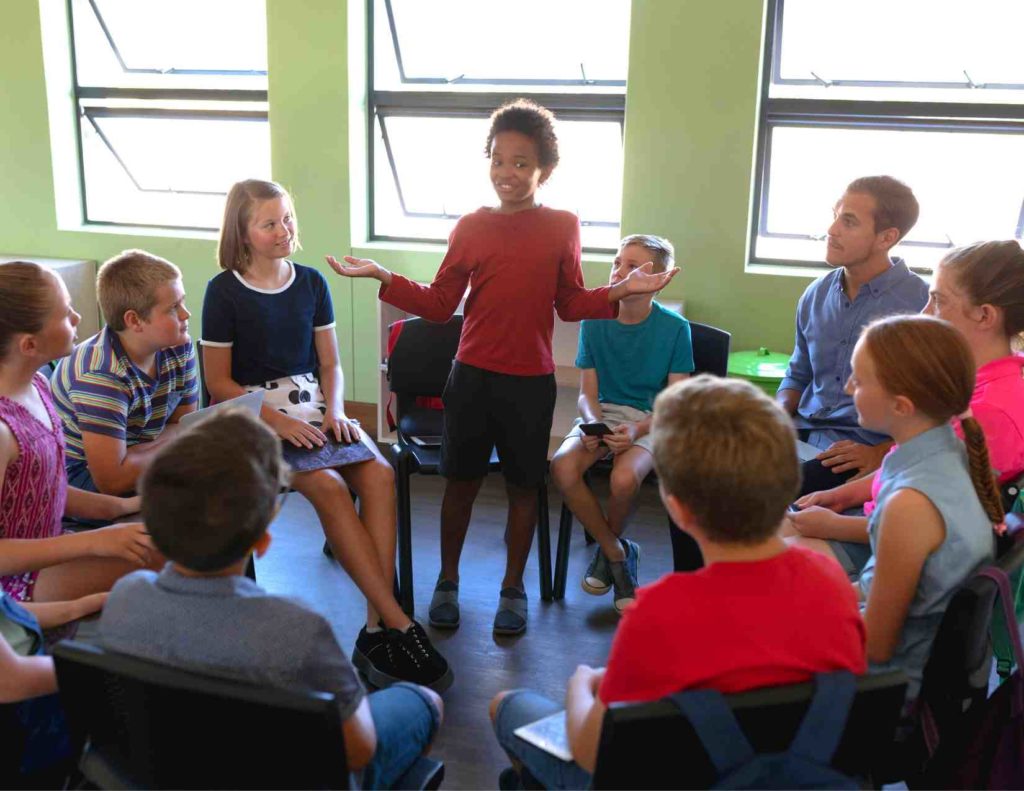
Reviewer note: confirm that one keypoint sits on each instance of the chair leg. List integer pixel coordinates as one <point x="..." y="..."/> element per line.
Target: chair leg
<point x="544" y="542"/>
<point x="589" y="539"/>
<point x="562" y="553"/>
<point x="405" y="586"/>
<point x="686" y="555"/>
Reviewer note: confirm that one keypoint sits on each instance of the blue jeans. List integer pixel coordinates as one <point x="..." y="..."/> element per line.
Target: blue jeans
<point x="522" y="707"/>
<point x="406" y="722"/>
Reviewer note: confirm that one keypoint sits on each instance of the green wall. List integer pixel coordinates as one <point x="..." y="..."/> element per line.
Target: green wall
<point x="690" y="126"/>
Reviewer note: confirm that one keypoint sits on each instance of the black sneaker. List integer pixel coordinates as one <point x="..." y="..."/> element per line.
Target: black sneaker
<point x="370" y="657"/>
<point x="389" y="656"/>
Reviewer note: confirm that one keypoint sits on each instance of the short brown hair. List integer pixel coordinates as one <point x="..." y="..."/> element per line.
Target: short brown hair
<point x="232" y="250"/>
<point x="26" y="298"/>
<point x="663" y="254"/>
<point x="895" y="204"/>
<point x="129" y="281"/>
<point x="992" y="273"/>
<point x="728" y="452"/>
<point x="209" y="493"/>
<point x="928" y="361"/>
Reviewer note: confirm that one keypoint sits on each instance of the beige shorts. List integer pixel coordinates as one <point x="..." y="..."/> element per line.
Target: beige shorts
<point x="615" y="415"/>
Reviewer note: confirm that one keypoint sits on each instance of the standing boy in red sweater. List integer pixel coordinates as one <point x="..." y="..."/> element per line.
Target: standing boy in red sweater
<point x="519" y="259"/>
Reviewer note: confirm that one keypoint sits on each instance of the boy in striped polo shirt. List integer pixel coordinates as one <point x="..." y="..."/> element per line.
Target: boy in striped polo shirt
<point x="121" y="392"/>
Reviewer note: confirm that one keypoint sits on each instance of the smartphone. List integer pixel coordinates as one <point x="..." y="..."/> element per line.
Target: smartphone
<point x="595" y="429"/>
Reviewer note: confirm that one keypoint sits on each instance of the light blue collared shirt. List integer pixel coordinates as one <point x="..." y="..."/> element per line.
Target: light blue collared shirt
<point x="828" y="324"/>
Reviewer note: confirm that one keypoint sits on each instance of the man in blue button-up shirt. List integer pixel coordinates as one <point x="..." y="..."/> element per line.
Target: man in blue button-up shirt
<point x="873" y="214"/>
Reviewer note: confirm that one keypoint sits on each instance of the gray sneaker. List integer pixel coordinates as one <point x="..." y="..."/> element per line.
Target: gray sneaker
<point x="624" y="575"/>
<point x="510" y="619"/>
<point x="444" y="605"/>
<point x="597" y="579"/>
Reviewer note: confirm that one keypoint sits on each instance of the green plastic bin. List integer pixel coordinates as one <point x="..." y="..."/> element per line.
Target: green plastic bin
<point x="763" y="368"/>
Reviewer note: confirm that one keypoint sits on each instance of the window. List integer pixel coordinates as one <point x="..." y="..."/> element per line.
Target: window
<point x="438" y="70"/>
<point x="171" y="105"/>
<point x="928" y="91"/>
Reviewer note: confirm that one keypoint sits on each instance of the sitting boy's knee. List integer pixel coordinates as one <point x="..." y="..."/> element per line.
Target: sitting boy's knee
<point x="623" y="484"/>
<point x="564" y="472"/>
<point x="496" y="702"/>
<point x="435" y="701"/>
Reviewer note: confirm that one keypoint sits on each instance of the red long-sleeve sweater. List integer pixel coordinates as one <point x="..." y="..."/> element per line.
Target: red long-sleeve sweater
<point x="517" y="267"/>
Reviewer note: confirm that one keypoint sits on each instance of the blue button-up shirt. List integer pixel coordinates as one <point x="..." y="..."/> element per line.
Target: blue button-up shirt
<point x="828" y="324"/>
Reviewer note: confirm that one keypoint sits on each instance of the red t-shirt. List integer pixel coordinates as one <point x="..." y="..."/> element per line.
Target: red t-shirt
<point x="737" y="626"/>
<point x="517" y="266"/>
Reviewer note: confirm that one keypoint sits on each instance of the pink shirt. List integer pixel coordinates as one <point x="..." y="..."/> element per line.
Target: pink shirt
<point x="35" y="486"/>
<point x="998" y="405"/>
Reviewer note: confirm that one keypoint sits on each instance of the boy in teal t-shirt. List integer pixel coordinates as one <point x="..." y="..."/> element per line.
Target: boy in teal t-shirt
<point x="624" y="364"/>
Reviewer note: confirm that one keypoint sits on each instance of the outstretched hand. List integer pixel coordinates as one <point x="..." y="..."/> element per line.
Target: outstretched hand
<point x="351" y="266"/>
<point x="643" y="281"/>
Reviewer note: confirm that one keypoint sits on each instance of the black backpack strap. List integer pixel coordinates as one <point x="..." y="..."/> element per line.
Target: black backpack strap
<point x="822" y="728"/>
<point x="716" y="727"/>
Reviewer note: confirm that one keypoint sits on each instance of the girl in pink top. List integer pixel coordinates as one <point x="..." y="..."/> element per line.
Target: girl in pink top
<point x="60" y="577"/>
<point x="978" y="289"/>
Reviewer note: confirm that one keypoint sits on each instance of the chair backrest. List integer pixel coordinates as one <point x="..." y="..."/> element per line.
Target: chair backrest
<point x="652" y="745"/>
<point x="959" y="666"/>
<point x="421" y="359"/>
<point x="204" y="393"/>
<point x="710" y="349"/>
<point x="147" y="725"/>
<point x="418" y="365"/>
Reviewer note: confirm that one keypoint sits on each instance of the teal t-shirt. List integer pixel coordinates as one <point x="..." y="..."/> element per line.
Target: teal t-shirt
<point x="633" y="361"/>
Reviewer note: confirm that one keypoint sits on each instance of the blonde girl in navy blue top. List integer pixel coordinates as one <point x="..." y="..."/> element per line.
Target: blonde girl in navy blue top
<point x="268" y="322"/>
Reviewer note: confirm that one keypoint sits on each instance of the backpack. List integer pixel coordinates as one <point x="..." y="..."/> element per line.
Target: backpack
<point x="993" y="753"/>
<point x="806" y="764"/>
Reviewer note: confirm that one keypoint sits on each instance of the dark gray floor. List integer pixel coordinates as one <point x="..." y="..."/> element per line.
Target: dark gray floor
<point x="560" y="635"/>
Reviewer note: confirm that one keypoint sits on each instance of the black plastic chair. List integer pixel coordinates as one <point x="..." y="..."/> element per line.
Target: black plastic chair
<point x="652" y="745"/>
<point x="418" y="366"/>
<point x="956" y="677"/>
<point x="147" y="725"/>
<point x="710" y="356"/>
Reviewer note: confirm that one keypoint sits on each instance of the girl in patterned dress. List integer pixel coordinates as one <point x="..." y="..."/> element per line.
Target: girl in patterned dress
<point x="58" y="576"/>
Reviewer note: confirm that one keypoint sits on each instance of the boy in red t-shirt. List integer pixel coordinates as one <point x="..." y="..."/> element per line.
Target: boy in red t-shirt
<point x="758" y="614"/>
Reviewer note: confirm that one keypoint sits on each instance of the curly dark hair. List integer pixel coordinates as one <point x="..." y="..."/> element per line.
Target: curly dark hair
<point x="530" y="119"/>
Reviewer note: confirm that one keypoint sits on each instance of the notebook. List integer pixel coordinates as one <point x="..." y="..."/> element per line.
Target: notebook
<point x="331" y="454"/>
<point x="806" y="451"/>
<point x="252" y="401"/>
<point x="548" y="734"/>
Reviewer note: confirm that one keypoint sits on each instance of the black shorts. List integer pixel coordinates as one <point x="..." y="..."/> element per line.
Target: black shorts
<point x="485" y="410"/>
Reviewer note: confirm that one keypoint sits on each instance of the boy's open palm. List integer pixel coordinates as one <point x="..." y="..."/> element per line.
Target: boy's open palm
<point x="359" y="267"/>
<point x="643" y="281"/>
<point x="128" y="541"/>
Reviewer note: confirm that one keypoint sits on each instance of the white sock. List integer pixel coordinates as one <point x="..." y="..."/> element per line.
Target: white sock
<point x="373" y="629"/>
